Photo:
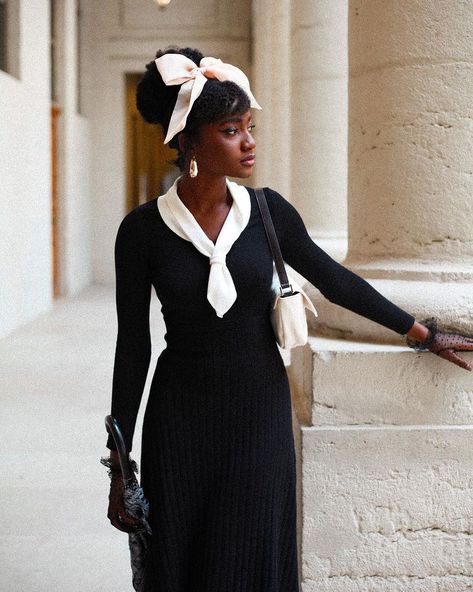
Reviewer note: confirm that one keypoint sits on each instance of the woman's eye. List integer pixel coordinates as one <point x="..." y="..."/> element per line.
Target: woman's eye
<point x="233" y="130"/>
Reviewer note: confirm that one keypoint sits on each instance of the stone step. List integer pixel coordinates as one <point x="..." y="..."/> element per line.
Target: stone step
<point x="338" y="382"/>
<point x="385" y="468"/>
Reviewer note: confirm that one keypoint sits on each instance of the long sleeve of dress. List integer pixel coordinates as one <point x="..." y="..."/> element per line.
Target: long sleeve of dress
<point x="133" y="344"/>
<point x="337" y="283"/>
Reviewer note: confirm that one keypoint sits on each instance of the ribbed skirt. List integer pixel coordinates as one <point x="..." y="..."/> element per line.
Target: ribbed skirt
<point x="218" y="467"/>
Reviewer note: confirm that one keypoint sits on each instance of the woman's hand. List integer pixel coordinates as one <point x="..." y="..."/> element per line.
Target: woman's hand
<point x="116" y="509"/>
<point x="442" y="343"/>
<point x="446" y="344"/>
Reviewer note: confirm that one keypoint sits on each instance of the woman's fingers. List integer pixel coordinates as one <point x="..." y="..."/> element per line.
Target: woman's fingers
<point x="113" y="516"/>
<point x="123" y="522"/>
<point x="117" y="524"/>
<point x="116" y="508"/>
<point x="466" y="344"/>
<point x="451" y="342"/>
<point x="451" y="356"/>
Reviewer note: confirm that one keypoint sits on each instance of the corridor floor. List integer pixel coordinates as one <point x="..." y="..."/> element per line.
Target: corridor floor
<point x="55" y="384"/>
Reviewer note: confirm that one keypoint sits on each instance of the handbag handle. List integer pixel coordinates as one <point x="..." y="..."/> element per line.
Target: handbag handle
<point x="285" y="287"/>
<point x="114" y="430"/>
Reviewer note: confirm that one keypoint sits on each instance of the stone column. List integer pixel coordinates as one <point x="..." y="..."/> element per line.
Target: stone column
<point x="300" y="79"/>
<point x="319" y="119"/>
<point x="271" y="75"/>
<point x="410" y="171"/>
<point x="385" y="431"/>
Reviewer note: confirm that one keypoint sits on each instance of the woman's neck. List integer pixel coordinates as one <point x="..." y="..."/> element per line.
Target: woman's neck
<point x="203" y="193"/>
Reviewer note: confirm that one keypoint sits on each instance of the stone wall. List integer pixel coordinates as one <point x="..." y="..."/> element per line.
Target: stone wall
<point x="385" y="463"/>
<point x="25" y="173"/>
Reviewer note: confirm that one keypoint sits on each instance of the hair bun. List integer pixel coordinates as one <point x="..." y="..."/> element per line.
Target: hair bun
<point x="154" y="99"/>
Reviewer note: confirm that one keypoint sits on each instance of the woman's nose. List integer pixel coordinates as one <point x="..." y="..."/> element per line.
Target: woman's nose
<point x="249" y="142"/>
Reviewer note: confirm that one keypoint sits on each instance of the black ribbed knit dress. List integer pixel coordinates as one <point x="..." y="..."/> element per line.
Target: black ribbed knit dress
<point x="218" y="459"/>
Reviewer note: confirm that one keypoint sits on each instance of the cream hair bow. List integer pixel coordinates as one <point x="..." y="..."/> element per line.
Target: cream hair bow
<point x="176" y="68"/>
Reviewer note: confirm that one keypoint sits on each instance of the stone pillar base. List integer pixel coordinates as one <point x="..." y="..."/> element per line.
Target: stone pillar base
<point x="387" y="471"/>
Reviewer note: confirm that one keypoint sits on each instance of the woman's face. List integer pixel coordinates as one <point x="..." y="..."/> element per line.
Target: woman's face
<point x="226" y="147"/>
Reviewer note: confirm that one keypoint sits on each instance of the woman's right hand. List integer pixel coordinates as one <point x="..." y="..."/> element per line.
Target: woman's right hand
<point x="116" y="509"/>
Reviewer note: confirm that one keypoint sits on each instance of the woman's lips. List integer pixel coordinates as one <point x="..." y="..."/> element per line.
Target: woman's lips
<point x="248" y="160"/>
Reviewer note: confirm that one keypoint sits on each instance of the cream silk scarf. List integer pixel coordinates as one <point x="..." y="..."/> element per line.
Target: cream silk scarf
<point x="221" y="292"/>
<point x="176" y="68"/>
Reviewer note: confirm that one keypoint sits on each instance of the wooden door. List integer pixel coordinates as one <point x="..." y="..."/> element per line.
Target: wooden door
<point x="149" y="161"/>
<point x="55" y="113"/>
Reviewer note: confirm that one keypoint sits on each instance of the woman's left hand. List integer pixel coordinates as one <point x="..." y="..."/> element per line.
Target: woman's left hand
<point x="446" y="344"/>
<point x="427" y="336"/>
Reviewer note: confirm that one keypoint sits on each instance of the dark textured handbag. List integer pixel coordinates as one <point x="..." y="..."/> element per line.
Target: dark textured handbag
<point x="135" y="503"/>
<point x="288" y="315"/>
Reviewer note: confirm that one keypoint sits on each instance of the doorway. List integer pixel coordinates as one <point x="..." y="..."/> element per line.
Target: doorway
<point x="149" y="167"/>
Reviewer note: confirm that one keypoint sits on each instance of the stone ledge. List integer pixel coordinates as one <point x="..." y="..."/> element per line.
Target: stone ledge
<point x="338" y="382"/>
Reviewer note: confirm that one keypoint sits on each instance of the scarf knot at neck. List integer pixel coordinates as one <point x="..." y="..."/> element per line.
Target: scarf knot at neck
<point x="221" y="292"/>
<point x="218" y="258"/>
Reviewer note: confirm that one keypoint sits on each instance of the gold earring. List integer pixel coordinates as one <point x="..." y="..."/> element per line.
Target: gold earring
<point x="193" y="170"/>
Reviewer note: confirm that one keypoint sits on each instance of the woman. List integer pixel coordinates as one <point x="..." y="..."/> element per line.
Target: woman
<point x="217" y="461"/>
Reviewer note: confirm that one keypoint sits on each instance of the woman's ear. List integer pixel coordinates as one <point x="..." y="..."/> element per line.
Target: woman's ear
<point x="183" y="142"/>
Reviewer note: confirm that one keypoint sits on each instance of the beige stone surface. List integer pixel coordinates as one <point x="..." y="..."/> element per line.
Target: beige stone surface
<point x="386" y="477"/>
<point x="271" y="69"/>
<point x="386" y="508"/>
<point x="357" y="383"/>
<point x="410" y="170"/>
<point x="319" y="69"/>
<point x="410" y="174"/>
<point x="381" y="584"/>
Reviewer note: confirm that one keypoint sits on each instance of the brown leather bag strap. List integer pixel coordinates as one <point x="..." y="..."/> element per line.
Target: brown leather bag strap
<point x="286" y="288"/>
